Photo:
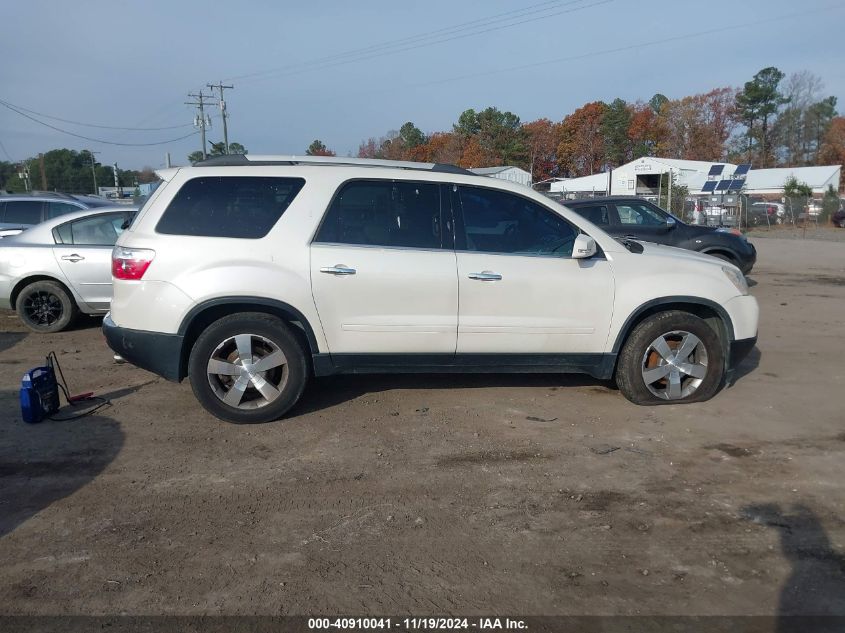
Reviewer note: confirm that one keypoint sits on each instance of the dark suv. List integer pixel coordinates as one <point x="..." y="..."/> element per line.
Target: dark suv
<point x="19" y="211"/>
<point x="637" y="219"/>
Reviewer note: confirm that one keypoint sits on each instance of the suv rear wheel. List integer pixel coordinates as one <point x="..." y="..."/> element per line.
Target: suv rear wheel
<point x="45" y="306"/>
<point x="671" y="357"/>
<point x="248" y="368"/>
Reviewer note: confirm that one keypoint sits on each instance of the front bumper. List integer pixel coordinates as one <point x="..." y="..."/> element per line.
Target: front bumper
<point x="747" y="260"/>
<point x="153" y="351"/>
<point x="739" y="350"/>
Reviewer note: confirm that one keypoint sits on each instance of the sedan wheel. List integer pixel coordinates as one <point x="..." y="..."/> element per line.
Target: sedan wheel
<point x="45" y="306"/>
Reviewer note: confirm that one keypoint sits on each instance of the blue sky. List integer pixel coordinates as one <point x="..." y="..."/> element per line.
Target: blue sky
<point x="132" y="64"/>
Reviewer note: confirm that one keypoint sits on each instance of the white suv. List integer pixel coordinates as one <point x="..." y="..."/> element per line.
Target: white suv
<point x="250" y="274"/>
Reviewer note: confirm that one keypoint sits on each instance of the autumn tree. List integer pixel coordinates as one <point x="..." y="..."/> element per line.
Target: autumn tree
<point x="540" y="139"/>
<point x="699" y="126"/>
<point x="441" y="147"/>
<point x="580" y="149"/>
<point x="318" y="148"/>
<point x="833" y="146"/>
<point x="643" y="132"/>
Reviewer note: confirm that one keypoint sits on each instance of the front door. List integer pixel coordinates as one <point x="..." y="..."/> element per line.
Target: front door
<point x="642" y="221"/>
<point x="84" y="256"/>
<point x="383" y="277"/>
<point x="520" y="290"/>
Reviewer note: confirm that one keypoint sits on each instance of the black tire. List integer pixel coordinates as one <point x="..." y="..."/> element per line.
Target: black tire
<point x="842" y="224"/>
<point x="638" y="356"/>
<point x="268" y="335"/>
<point x="46" y="306"/>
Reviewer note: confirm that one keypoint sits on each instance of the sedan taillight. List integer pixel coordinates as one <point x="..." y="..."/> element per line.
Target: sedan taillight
<point x="130" y="263"/>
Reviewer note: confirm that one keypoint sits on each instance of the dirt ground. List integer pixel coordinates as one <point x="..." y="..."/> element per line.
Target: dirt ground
<point x="442" y="495"/>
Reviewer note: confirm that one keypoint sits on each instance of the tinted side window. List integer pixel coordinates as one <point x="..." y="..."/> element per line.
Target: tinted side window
<point x="55" y="209"/>
<point x="633" y="213"/>
<point x="595" y="213"/>
<point x="23" y="212"/>
<point x="500" y="222"/>
<point x="229" y="206"/>
<point x="96" y="231"/>
<point x="384" y="213"/>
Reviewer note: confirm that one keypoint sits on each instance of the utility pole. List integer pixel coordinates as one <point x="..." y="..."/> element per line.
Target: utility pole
<point x="94" y="169"/>
<point x="223" y="113"/>
<point x="43" y="173"/>
<point x="118" y="192"/>
<point x="24" y="175"/>
<point x="202" y="121"/>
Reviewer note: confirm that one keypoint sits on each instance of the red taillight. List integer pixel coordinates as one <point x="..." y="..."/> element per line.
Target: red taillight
<point x="130" y="263"/>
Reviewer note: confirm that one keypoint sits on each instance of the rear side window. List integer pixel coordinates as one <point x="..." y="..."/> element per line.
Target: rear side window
<point x="55" y="209"/>
<point x="22" y="212"/>
<point x="384" y="213"/>
<point x="595" y="213"/>
<point x="100" y="230"/>
<point x="229" y="206"/>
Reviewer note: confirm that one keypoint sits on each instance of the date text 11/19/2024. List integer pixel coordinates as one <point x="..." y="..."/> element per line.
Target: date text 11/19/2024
<point x="416" y="624"/>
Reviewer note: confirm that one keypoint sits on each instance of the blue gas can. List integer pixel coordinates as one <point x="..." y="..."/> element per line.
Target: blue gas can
<point x="39" y="394"/>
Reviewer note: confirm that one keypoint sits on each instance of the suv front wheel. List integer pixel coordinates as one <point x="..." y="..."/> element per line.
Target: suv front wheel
<point x="671" y="357"/>
<point x="248" y="368"/>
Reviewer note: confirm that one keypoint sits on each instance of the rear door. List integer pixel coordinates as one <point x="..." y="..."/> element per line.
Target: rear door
<point x="520" y="290"/>
<point x="383" y="270"/>
<point x="83" y="252"/>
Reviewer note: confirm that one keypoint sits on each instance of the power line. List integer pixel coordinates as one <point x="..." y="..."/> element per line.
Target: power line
<point x="103" y="127"/>
<point x="365" y="54"/>
<point x="3" y="147"/>
<point x="338" y="58"/>
<point x="415" y="38"/>
<point x="88" y="138"/>
<point x="628" y="47"/>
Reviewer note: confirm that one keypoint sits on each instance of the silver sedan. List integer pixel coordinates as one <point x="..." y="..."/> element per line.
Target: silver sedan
<point x="60" y="268"/>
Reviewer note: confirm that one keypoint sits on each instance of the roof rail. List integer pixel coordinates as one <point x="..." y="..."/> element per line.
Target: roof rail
<point x="235" y="160"/>
<point x="39" y="194"/>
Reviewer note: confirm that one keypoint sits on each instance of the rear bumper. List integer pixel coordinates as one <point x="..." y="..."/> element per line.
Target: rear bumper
<point x="153" y="351"/>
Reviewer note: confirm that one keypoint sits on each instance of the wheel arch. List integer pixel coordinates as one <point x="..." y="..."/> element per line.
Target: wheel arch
<point x="722" y="250"/>
<point x="204" y="314"/>
<point x="714" y="314"/>
<point x="23" y="283"/>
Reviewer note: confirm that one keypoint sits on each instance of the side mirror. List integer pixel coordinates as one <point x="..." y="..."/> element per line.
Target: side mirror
<point x="584" y="247"/>
<point x="670" y="222"/>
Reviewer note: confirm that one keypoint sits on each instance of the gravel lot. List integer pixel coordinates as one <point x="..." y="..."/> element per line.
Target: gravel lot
<point x="434" y="495"/>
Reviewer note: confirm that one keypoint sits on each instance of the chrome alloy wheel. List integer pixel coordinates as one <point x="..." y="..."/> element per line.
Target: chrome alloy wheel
<point x="674" y="365"/>
<point x="247" y="371"/>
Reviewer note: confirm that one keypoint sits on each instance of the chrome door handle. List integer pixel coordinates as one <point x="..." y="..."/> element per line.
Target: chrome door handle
<point x="486" y="276"/>
<point x="73" y="258"/>
<point x="338" y="269"/>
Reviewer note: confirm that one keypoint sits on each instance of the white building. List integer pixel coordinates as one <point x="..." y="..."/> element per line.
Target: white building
<point x="641" y="177"/>
<point x="505" y="172"/>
